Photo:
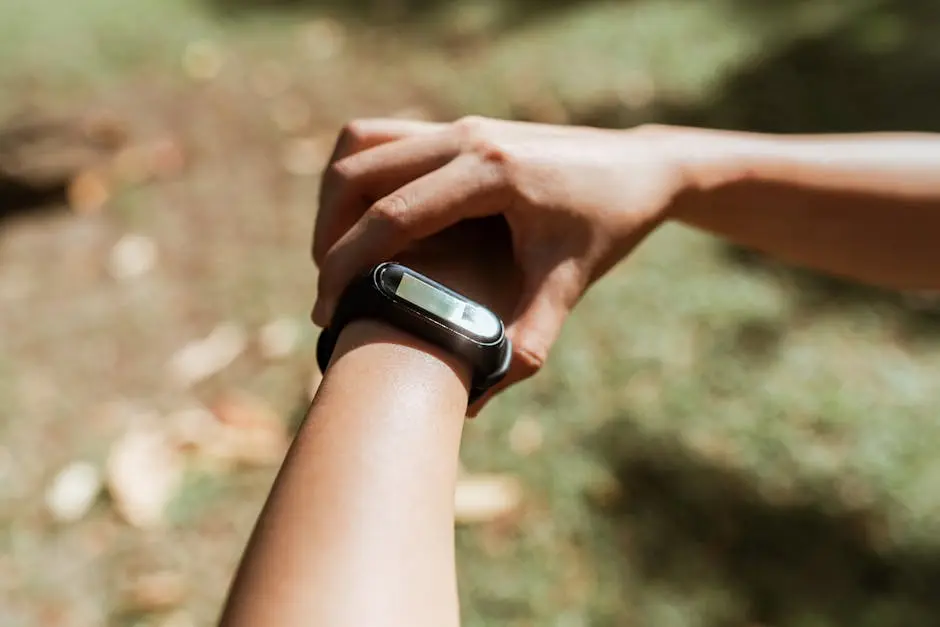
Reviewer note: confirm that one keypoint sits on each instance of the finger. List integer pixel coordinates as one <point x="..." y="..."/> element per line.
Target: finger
<point x="464" y="188"/>
<point x="361" y="179"/>
<point x="364" y="134"/>
<point x="547" y="301"/>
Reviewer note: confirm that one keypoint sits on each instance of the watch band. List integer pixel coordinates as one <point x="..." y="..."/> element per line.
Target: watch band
<point x="368" y="297"/>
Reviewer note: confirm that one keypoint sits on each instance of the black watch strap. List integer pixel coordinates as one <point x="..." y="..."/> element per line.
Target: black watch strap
<point x="363" y="298"/>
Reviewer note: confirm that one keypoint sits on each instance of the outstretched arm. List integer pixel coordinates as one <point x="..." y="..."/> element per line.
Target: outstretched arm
<point x="578" y="200"/>
<point x="865" y="206"/>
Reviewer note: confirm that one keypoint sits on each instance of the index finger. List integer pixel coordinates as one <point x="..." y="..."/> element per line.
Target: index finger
<point x="355" y="137"/>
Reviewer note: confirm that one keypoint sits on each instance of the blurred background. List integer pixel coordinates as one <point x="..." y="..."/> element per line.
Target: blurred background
<point x="718" y="440"/>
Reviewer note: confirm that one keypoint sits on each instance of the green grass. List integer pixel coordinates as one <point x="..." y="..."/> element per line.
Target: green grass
<point x="726" y="442"/>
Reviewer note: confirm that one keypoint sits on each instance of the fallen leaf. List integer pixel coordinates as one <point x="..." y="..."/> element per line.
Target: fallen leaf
<point x="239" y="430"/>
<point x="526" y="436"/>
<point x="278" y="338"/>
<point x="201" y="359"/>
<point x="132" y="257"/>
<point x="88" y="192"/>
<point x="253" y="432"/>
<point x="202" y="60"/>
<point x="73" y="492"/>
<point x="156" y="592"/>
<point x="306" y="156"/>
<point x="193" y="428"/>
<point x="144" y="471"/>
<point x="485" y="498"/>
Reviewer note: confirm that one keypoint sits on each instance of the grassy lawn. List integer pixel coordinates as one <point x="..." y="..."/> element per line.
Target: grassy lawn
<point x="724" y="442"/>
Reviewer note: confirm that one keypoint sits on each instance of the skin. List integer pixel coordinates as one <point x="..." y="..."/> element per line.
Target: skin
<point x="578" y="200"/>
<point x="358" y="529"/>
<point x="359" y="526"/>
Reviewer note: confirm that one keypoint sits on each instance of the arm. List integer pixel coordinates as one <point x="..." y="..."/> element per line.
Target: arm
<point x="359" y="526"/>
<point x="865" y="207"/>
<point x="358" y="529"/>
<point x="578" y="200"/>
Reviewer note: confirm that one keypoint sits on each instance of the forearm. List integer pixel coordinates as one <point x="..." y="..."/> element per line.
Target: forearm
<point x="358" y="529"/>
<point x="865" y="206"/>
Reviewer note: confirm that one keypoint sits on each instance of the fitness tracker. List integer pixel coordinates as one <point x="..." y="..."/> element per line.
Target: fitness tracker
<point x="393" y="293"/>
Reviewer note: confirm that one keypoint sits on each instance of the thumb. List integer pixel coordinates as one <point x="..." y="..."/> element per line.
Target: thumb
<point x="547" y="301"/>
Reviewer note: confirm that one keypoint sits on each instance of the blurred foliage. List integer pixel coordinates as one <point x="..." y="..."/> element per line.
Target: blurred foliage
<point x="727" y="441"/>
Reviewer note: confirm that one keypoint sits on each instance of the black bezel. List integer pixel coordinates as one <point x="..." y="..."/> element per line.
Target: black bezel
<point x="366" y="297"/>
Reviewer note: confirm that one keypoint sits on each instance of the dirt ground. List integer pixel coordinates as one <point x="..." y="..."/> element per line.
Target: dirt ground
<point x="717" y="441"/>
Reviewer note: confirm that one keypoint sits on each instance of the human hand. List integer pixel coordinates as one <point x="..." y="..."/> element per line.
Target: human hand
<point x="576" y="200"/>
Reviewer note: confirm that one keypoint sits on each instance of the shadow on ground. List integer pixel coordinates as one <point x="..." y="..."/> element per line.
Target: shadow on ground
<point x="787" y="563"/>
<point x="18" y="198"/>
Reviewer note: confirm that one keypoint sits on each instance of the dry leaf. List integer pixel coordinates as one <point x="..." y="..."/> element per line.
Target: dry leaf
<point x="485" y="498"/>
<point x="144" y="470"/>
<point x="156" y="592"/>
<point x="202" y="60"/>
<point x="306" y="156"/>
<point x="193" y="428"/>
<point x="239" y="430"/>
<point x="88" y="192"/>
<point x="73" y="492"/>
<point x="201" y="359"/>
<point x="526" y="436"/>
<point x="278" y="338"/>
<point x="131" y="257"/>
<point x="253" y="433"/>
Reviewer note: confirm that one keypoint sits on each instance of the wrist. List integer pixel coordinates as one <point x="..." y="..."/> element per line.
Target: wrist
<point x="706" y="161"/>
<point x="395" y="358"/>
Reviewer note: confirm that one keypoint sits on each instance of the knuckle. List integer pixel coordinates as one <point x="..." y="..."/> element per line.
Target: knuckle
<point x="392" y="212"/>
<point x="341" y="171"/>
<point x="477" y="138"/>
<point x="470" y="125"/>
<point x="354" y="130"/>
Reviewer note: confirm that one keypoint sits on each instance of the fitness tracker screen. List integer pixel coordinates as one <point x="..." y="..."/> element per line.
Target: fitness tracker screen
<point x="441" y="303"/>
<point x="429" y="298"/>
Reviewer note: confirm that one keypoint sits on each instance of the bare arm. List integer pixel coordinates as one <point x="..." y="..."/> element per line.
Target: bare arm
<point x="358" y="529"/>
<point x="865" y="207"/>
<point x="578" y="200"/>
